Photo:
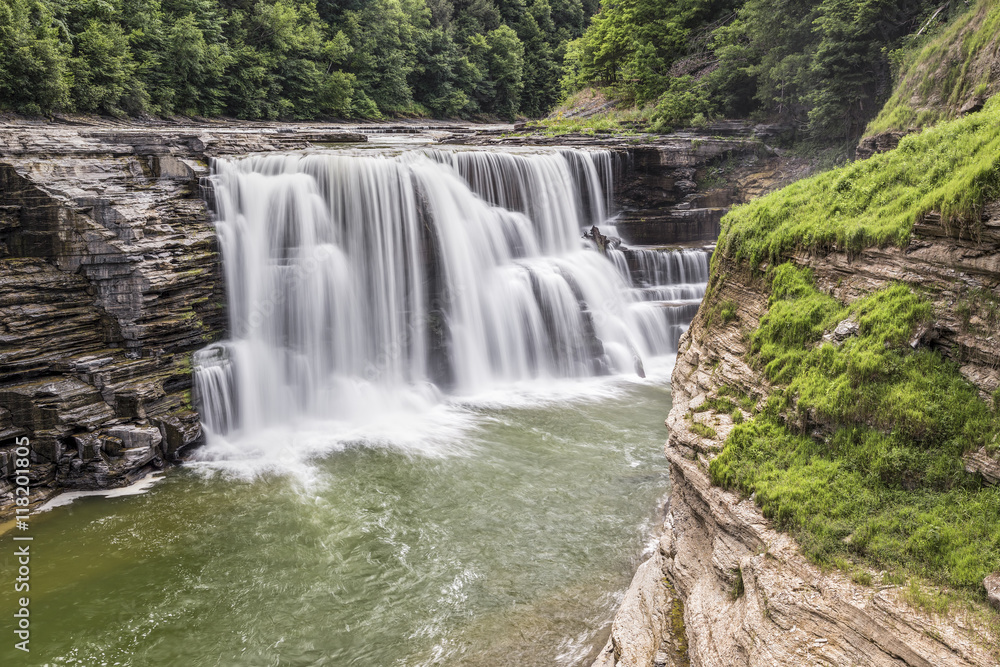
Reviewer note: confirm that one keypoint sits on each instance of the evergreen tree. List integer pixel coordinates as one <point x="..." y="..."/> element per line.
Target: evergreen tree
<point x="274" y="59"/>
<point x="34" y="58"/>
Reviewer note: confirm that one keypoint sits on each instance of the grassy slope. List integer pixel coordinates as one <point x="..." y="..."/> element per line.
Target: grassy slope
<point x="953" y="168"/>
<point x="591" y="111"/>
<point x="858" y="451"/>
<point x="939" y="77"/>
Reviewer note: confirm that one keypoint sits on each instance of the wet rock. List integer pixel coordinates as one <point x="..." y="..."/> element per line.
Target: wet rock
<point x="88" y="446"/>
<point x="137" y="437"/>
<point x="600" y="240"/>
<point x="179" y="430"/>
<point x="136" y="457"/>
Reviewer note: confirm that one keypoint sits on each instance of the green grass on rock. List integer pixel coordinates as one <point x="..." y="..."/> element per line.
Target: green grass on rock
<point x="953" y="169"/>
<point x="858" y="452"/>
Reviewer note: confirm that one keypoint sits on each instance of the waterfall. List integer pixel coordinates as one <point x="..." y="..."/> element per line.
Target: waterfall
<point x="351" y="276"/>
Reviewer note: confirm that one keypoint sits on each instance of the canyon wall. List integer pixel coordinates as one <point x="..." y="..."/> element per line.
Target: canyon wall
<point x="723" y="587"/>
<point x="109" y="278"/>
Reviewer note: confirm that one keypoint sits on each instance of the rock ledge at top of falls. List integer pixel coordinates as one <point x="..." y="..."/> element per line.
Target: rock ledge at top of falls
<point x="110" y="273"/>
<point x="681" y="608"/>
<point x="675" y="188"/>
<point x="109" y="278"/>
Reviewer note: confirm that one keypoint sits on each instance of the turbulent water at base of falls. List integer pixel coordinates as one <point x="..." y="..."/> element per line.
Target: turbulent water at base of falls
<point x="360" y="282"/>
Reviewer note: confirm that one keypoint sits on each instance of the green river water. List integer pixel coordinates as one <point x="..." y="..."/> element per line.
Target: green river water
<point x="505" y="535"/>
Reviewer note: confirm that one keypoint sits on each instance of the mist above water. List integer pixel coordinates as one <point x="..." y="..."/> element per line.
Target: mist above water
<point x="368" y="291"/>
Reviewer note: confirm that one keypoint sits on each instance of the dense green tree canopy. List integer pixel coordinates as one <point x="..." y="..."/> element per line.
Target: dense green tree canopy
<point x="286" y="59"/>
<point x="823" y="64"/>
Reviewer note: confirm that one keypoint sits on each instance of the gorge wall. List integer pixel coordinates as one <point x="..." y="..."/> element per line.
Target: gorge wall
<point x="110" y="277"/>
<point x="724" y="586"/>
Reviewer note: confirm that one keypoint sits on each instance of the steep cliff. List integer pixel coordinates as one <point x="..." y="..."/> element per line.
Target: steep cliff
<point x="109" y="279"/>
<point x="946" y="75"/>
<point x="834" y="431"/>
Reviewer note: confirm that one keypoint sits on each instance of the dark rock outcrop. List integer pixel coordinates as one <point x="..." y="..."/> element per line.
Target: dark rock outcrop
<point x="878" y="143"/>
<point x="750" y="597"/>
<point x="109" y="278"/>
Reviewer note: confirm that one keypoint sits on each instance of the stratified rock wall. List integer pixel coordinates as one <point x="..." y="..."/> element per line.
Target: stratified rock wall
<point x="110" y="277"/>
<point x="749" y="596"/>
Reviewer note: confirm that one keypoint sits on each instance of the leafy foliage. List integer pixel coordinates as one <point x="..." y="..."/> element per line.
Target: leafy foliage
<point x="35" y="74"/>
<point x="285" y="58"/>
<point x="823" y="64"/>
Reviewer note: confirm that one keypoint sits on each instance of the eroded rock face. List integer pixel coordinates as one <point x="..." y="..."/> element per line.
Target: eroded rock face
<point x="749" y="596"/>
<point x="676" y="190"/>
<point x="110" y="277"/>
<point x="878" y="143"/>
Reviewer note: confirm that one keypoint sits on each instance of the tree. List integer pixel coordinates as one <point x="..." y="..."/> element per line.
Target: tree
<point x="505" y="64"/>
<point x="274" y="59"/>
<point x="197" y="70"/>
<point x="382" y="37"/>
<point x="104" y="72"/>
<point x="34" y="59"/>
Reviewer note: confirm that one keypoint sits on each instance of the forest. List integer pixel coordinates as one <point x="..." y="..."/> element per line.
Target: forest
<point x="826" y="65"/>
<point x="286" y="59"/>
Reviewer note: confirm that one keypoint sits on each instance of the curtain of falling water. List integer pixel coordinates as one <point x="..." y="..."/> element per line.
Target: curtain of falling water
<point x="355" y="278"/>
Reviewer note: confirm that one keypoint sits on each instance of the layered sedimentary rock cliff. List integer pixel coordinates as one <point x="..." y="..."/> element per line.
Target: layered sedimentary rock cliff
<point x="110" y="274"/>
<point x="109" y="278"/>
<point x="677" y="190"/>
<point x="724" y="587"/>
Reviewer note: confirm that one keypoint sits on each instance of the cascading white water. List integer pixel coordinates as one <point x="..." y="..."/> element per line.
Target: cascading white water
<point x="352" y="277"/>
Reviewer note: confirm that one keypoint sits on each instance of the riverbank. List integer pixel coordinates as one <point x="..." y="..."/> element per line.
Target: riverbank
<point x="818" y="479"/>
<point x="110" y="274"/>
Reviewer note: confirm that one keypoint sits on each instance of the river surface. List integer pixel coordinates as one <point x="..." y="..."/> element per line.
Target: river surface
<point x="500" y="530"/>
<point x="434" y="430"/>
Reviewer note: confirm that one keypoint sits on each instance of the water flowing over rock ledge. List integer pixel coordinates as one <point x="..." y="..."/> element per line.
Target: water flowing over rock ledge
<point x="109" y="278"/>
<point x="110" y="275"/>
<point x="745" y="592"/>
<point x="675" y="188"/>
